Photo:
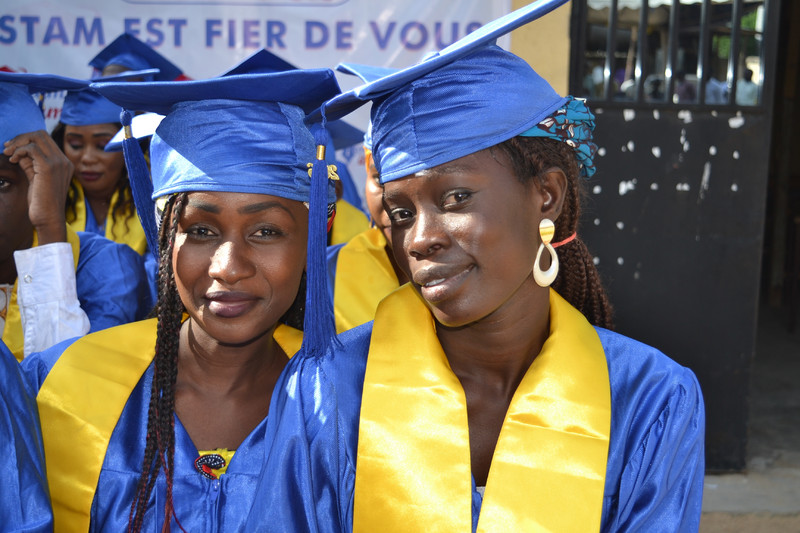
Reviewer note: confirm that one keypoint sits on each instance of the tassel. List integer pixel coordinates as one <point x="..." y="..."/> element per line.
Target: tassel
<point x="141" y="183"/>
<point x="319" y="327"/>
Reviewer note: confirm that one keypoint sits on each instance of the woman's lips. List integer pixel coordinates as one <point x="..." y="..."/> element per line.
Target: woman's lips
<point x="437" y="285"/>
<point x="229" y="304"/>
<point x="91" y="176"/>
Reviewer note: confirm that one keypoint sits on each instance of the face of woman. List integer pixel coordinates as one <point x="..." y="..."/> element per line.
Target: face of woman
<point x="97" y="171"/>
<point x="466" y="232"/>
<point x="238" y="261"/>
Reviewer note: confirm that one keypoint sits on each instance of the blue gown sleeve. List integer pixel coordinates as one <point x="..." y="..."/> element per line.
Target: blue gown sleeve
<point x="112" y="283"/>
<point x="307" y="483"/>
<point x="654" y="479"/>
<point x="24" y="498"/>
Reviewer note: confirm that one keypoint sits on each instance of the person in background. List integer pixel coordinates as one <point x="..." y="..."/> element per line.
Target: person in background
<point x="178" y="410"/>
<point x="746" y="89"/>
<point x="363" y="271"/>
<point x="488" y="394"/>
<point x="54" y="283"/>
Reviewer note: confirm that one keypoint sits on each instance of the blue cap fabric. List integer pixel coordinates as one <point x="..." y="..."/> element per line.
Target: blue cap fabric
<point x="18" y="112"/>
<point x="263" y="61"/>
<point x="242" y="133"/>
<point x="467" y="97"/>
<point x="131" y="53"/>
<point x="479" y="100"/>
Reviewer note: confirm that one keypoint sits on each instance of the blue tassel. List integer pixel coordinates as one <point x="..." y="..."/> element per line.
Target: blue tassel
<point x="319" y="326"/>
<point x="141" y="184"/>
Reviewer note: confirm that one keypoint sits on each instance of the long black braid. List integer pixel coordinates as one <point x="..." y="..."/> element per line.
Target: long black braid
<point x="578" y="281"/>
<point x="160" y="444"/>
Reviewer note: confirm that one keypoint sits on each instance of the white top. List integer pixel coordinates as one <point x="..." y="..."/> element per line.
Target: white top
<point x="47" y="296"/>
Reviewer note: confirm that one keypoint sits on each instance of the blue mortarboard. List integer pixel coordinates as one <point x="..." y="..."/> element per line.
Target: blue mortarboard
<point x="263" y="61"/>
<point x="84" y="106"/>
<point x="239" y="133"/>
<point x="18" y="110"/>
<point x="467" y="97"/>
<point x="131" y="53"/>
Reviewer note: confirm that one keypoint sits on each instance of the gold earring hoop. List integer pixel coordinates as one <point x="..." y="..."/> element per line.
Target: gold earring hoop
<point x="546" y="278"/>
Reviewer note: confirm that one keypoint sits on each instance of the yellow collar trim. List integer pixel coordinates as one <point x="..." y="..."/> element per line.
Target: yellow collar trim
<point x="118" y="229"/>
<point x="548" y="468"/>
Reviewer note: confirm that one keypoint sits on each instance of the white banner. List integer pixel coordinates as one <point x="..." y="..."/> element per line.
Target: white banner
<point x="205" y="38"/>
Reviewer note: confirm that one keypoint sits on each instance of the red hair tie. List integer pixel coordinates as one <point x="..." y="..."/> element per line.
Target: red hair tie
<point x="565" y="241"/>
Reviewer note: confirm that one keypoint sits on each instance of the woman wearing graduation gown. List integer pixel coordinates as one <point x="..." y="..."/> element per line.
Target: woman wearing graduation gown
<point x="160" y="424"/>
<point x="99" y="199"/>
<point x="488" y="394"/>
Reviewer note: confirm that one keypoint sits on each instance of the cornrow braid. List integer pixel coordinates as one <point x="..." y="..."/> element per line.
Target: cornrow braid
<point x="159" y="451"/>
<point x="578" y="281"/>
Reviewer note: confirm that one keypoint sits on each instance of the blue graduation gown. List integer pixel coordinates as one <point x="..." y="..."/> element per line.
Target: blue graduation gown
<point x="24" y="499"/>
<point x="654" y="474"/>
<point x="111" y="282"/>
<point x="201" y="504"/>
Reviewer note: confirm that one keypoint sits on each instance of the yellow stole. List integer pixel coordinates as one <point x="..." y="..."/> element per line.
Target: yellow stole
<point x="123" y="230"/>
<point x="413" y="468"/>
<point x="349" y="222"/>
<point x="77" y="426"/>
<point x="13" y="336"/>
<point x="364" y="276"/>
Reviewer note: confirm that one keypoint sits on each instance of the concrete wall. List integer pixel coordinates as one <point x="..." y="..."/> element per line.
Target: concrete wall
<point x="545" y="45"/>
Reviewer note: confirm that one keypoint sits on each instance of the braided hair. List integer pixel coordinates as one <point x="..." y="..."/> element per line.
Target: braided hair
<point x="578" y="281"/>
<point x="159" y="450"/>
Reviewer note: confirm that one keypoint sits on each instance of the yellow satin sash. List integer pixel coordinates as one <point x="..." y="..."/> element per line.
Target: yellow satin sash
<point x="13" y="336"/>
<point x="118" y="229"/>
<point x="349" y="222"/>
<point x="548" y="468"/>
<point x="364" y="276"/>
<point x="81" y="401"/>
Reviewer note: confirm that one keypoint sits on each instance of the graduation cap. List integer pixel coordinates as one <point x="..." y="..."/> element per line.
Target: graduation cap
<point x="340" y="134"/>
<point x="84" y="106"/>
<point x="132" y="54"/>
<point x="19" y="112"/>
<point x="469" y="96"/>
<point x="239" y="133"/>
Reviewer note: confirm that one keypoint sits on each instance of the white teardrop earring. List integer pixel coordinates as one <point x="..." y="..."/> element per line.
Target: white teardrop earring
<point x="545" y="278"/>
